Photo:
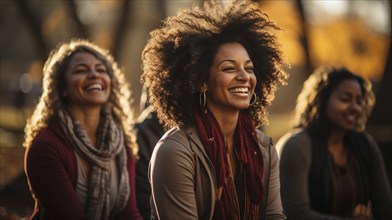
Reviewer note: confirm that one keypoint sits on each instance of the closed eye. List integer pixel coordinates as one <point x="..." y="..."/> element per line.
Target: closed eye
<point x="229" y="69"/>
<point x="80" y="71"/>
<point x="250" y="69"/>
<point x="345" y="98"/>
<point x="101" y="70"/>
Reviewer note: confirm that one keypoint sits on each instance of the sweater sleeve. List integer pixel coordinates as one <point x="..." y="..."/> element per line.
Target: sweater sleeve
<point x="381" y="195"/>
<point x="295" y="162"/>
<point x="49" y="175"/>
<point x="171" y="174"/>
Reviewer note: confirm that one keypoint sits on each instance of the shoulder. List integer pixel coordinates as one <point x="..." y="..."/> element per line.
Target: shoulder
<point x="297" y="140"/>
<point x="50" y="150"/>
<point x="372" y="146"/>
<point x="264" y="140"/>
<point x="372" y="142"/>
<point x="52" y="132"/>
<point x="173" y="142"/>
<point x="172" y="153"/>
<point x="267" y="149"/>
<point x="175" y="135"/>
<point x="294" y="136"/>
<point x="50" y="140"/>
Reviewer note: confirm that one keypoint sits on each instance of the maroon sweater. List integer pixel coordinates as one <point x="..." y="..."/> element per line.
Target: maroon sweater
<point x="51" y="169"/>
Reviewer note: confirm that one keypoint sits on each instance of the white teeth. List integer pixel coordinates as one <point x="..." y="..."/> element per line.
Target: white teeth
<point x="240" y="90"/>
<point x="95" y="86"/>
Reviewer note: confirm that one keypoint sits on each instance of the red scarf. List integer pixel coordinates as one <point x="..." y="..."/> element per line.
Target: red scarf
<point x="247" y="152"/>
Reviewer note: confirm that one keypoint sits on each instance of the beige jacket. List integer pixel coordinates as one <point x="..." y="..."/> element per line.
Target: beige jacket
<point x="183" y="179"/>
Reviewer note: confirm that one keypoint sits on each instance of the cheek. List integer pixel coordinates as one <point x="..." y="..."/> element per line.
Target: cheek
<point x="253" y="81"/>
<point x="73" y="85"/>
<point x="68" y="86"/>
<point x="108" y="83"/>
<point x="331" y="108"/>
<point x="72" y="81"/>
<point x="214" y="84"/>
<point x="335" y="107"/>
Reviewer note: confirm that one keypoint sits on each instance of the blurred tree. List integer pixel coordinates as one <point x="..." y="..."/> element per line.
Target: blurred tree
<point x="81" y="29"/>
<point x="121" y="27"/>
<point x="303" y="36"/>
<point x="34" y="27"/>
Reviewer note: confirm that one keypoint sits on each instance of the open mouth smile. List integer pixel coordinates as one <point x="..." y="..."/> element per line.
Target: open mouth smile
<point x="243" y="91"/>
<point x="95" y="86"/>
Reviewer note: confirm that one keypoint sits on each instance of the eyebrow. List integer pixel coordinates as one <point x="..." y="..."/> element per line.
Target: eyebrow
<point x="233" y="61"/>
<point x="81" y="64"/>
<point x="84" y="64"/>
<point x="348" y="93"/>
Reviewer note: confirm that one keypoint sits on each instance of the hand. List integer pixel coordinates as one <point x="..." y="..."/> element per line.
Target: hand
<point x="363" y="212"/>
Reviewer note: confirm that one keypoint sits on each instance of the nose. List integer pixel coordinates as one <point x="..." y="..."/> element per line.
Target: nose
<point x="355" y="106"/>
<point x="93" y="74"/>
<point x="242" y="75"/>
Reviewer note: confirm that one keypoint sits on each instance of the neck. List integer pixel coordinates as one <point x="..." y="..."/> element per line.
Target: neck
<point x="336" y="148"/>
<point x="88" y="118"/>
<point x="336" y="137"/>
<point x="228" y="124"/>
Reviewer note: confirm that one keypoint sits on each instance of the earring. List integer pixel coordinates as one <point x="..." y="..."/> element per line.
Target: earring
<point x="202" y="99"/>
<point x="255" y="99"/>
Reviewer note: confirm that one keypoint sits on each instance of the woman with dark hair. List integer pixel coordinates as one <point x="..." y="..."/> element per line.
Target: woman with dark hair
<point x="80" y="158"/>
<point x="211" y="72"/>
<point x="329" y="167"/>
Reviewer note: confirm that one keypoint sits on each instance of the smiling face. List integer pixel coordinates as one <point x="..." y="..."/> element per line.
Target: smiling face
<point x="231" y="81"/>
<point x="344" y="106"/>
<point x="87" y="81"/>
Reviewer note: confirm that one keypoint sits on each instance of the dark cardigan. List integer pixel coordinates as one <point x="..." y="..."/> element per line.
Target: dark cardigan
<point x="51" y="169"/>
<point x="296" y="162"/>
<point x="320" y="186"/>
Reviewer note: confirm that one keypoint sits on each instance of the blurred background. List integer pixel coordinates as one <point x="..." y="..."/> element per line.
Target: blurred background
<point x="355" y="34"/>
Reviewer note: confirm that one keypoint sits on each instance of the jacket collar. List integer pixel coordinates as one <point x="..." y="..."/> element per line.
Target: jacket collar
<point x="194" y="137"/>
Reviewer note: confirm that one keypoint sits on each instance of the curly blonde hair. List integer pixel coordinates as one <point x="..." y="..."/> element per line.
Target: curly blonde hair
<point x="54" y="76"/>
<point x="312" y="101"/>
<point x="178" y="56"/>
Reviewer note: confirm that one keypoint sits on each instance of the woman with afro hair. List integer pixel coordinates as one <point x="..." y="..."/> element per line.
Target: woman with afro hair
<point x="211" y="72"/>
<point x="329" y="167"/>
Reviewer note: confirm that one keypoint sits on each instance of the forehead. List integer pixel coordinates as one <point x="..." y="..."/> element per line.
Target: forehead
<point x="84" y="56"/>
<point x="349" y="86"/>
<point x="231" y="50"/>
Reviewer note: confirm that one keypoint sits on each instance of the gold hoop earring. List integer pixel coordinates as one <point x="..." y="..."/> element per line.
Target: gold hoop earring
<point x="255" y="99"/>
<point x="202" y="99"/>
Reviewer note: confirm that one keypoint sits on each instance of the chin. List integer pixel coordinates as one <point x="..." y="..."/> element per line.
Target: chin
<point x="348" y="127"/>
<point x="98" y="103"/>
<point x="243" y="107"/>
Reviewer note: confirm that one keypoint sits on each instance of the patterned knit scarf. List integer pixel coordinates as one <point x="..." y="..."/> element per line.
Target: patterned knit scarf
<point x="247" y="152"/>
<point x="110" y="146"/>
